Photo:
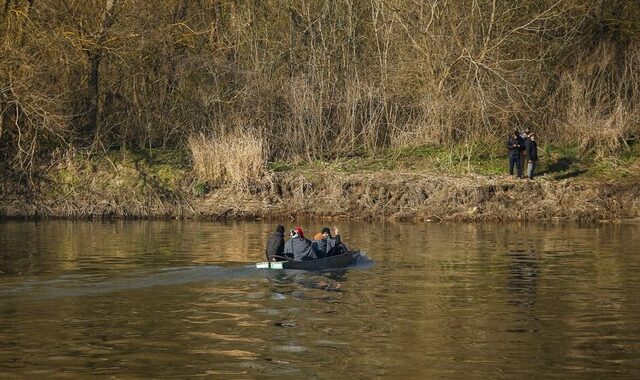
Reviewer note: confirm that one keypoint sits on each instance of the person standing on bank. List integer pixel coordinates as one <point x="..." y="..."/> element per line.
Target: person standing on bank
<point x="524" y="137"/>
<point x="299" y="247"/>
<point x="532" y="154"/>
<point x="514" y="145"/>
<point x="275" y="245"/>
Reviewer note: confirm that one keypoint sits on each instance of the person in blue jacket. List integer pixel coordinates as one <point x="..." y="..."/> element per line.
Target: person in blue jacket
<point x="514" y="144"/>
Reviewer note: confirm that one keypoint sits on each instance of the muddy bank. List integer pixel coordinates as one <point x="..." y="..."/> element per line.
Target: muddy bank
<point x="373" y="196"/>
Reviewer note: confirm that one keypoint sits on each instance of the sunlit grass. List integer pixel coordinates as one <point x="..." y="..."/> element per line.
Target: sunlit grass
<point x="556" y="162"/>
<point x="237" y="159"/>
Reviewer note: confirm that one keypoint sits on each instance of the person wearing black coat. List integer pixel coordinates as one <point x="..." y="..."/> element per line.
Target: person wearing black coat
<point x="513" y="145"/>
<point x="524" y="137"/>
<point x="532" y="154"/>
<point x="334" y="243"/>
<point x="320" y="247"/>
<point x="275" y="245"/>
<point x="326" y="245"/>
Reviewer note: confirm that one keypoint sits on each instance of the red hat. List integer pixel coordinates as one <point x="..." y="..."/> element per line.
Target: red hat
<point x="299" y="231"/>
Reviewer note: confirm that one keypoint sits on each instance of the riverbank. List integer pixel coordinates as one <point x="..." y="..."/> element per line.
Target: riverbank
<point x="427" y="197"/>
<point x="138" y="186"/>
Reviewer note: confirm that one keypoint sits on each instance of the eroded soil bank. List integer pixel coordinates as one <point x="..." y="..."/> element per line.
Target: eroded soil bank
<point x="330" y="195"/>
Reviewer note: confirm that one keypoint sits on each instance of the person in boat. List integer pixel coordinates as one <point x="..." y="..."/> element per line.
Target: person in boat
<point x="319" y="245"/>
<point x="299" y="247"/>
<point x="334" y="243"/>
<point x="275" y="245"/>
<point x="326" y="245"/>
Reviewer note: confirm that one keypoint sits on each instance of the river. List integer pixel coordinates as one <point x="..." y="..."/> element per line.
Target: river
<point x="176" y="299"/>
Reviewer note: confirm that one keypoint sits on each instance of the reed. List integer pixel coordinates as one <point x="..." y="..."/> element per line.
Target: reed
<point x="236" y="158"/>
<point x="602" y="110"/>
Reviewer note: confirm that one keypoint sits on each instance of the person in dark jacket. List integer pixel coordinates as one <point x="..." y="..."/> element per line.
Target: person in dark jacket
<point x="513" y="145"/>
<point x="524" y="137"/>
<point x="532" y="154"/>
<point x="334" y="243"/>
<point x="275" y="245"/>
<point x="319" y="245"/>
<point x="299" y="247"/>
<point x="326" y="245"/>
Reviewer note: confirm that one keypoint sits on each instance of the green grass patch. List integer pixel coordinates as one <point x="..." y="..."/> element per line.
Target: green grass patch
<point x="200" y="188"/>
<point x="168" y="176"/>
<point x="280" y="166"/>
<point x="556" y="162"/>
<point x="121" y="170"/>
<point x="166" y="170"/>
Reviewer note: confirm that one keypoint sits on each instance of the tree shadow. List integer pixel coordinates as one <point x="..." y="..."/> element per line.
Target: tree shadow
<point x="571" y="174"/>
<point x="563" y="165"/>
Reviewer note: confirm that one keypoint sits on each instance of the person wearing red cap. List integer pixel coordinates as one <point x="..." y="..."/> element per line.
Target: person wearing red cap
<point x="299" y="246"/>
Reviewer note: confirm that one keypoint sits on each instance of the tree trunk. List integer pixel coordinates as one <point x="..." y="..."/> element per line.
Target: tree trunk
<point x="2" y="116"/>
<point x="178" y="16"/>
<point x="94" y="56"/>
<point x="217" y="29"/>
<point x="93" y="94"/>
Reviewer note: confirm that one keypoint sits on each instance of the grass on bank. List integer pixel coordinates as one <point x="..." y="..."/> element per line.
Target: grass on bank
<point x="239" y="163"/>
<point x="556" y="162"/>
<point x="117" y="172"/>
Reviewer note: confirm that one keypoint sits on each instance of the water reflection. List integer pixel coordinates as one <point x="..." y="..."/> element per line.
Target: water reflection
<point x="522" y="278"/>
<point x="180" y="299"/>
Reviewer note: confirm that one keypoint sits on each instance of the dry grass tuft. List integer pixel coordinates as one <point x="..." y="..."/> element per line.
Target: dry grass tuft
<point x="599" y="117"/>
<point x="235" y="158"/>
<point x="606" y="139"/>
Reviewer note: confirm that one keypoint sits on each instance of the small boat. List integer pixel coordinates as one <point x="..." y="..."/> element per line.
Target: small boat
<point x="331" y="262"/>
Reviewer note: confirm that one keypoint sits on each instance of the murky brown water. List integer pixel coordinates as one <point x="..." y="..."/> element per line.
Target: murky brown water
<point x="180" y="299"/>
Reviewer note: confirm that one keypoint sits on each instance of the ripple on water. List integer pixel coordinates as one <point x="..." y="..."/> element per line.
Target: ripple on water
<point x="443" y="301"/>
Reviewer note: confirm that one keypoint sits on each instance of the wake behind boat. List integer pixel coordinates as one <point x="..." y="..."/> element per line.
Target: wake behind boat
<point x="332" y="262"/>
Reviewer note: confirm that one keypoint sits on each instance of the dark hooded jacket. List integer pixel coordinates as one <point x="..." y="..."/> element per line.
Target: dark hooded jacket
<point x="514" y="151"/>
<point x="335" y="246"/>
<point x="320" y="247"/>
<point x="300" y="248"/>
<point x="275" y="246"/>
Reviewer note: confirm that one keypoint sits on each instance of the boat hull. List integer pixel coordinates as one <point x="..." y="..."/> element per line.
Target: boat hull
<point x="332" y="262"/>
